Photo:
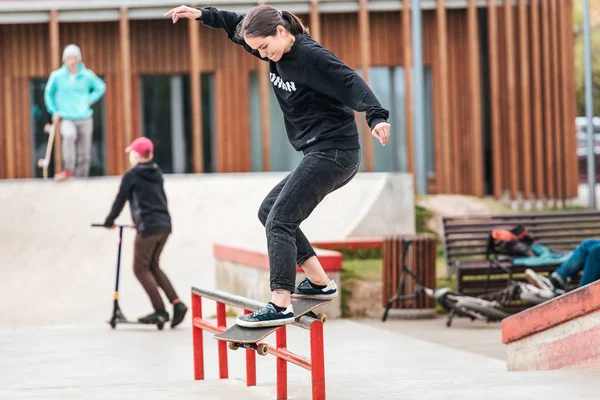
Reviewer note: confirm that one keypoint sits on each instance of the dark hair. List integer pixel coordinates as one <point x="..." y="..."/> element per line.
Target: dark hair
<point x="262" y="21"/>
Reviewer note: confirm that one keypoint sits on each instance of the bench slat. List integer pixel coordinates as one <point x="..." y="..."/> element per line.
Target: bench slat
<point x="539" y="237"/>
<point x="539" y="215"/>
<point x="533" y="230"/>
<point x="525" y="222"/>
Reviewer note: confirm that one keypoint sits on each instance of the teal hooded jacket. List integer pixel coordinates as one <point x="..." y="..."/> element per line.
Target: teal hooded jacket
<point x="71" y="96"/>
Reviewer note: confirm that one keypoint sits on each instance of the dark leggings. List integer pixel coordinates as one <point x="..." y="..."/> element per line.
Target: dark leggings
<point x="147" y="270"/>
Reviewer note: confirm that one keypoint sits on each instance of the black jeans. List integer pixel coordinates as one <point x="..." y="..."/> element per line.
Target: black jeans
<point x="292" y="200"/>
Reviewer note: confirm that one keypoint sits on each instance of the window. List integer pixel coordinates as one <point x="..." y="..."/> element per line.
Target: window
<point x="387" y="83"/>
<point x="39" y="142"/>
<point x="167" y="120"/>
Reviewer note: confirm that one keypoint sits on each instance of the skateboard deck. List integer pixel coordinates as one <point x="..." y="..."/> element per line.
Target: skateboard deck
<point x="239" y="336"/>
<point x="44" y="163"/>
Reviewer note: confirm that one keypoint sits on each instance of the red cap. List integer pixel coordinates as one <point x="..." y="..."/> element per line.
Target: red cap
<point x="142" y="145"/>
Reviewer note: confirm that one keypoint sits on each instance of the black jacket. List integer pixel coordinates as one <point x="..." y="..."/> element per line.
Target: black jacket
<point x="142" y="186"/>
<point x="316" y="91"/>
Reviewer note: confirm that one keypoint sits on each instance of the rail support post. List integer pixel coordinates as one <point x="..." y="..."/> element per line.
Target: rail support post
<point x="317" y="355"/>
<point x="222" y="323"/>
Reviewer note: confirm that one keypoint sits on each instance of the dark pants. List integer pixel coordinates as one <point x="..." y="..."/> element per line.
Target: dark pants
<point x="147" y="270"/>
<point x="292" y="200"/>
<point x="586" y="258"/>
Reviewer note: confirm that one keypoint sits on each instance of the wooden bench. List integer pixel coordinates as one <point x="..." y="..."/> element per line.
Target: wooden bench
<point x="465" y="240"/>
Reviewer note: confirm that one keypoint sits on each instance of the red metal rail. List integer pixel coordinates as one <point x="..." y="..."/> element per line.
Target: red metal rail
<point x="316" y="365"/>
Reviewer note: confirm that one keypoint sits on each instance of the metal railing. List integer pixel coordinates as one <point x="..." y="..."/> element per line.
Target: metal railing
<point x="316" y="364"/>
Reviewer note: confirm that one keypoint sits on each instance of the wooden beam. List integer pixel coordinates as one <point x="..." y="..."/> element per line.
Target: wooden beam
<point x="196" y="93"/>
<point x="125" y="46"/>
<point x="365" y="57"/>
<point x="538" y="125"/>
<point x="9" y="154"/>
<point x="408" y="95"/>
<point x="570" y="101"/>
<point x="513" y="147"/>
<point x="476" y="167"/>
<point x="547" y="102"/>
<point x="55" y="63"/>
<point x="559" y="165"/>
<point x="315" y="20"/>
<point x="444" y="181"/>
<point x="264" y="84"/>
<point x="495" y="99"/>
<point x="525" y="101"/>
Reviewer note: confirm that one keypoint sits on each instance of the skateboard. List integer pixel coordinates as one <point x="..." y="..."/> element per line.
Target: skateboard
<point x="44" y="163"/>
<point x="238" y="336"/>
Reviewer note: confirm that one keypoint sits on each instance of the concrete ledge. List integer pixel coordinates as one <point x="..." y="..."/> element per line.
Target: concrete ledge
<point x="561" y="333"/>
<point x="245" y="272"/>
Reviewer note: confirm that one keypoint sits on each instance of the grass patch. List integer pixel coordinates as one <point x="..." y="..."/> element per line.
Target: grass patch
<point x="360" y="254"/>
<point x="369" y="269"/>
<point x="363" y="269"/>
<point x="422" y="215"/>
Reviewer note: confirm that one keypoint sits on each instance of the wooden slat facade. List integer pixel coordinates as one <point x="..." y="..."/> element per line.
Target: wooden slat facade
<point x="529" y="98"/>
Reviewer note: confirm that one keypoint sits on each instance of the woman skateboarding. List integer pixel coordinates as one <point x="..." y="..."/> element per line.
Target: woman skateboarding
<point x="316" y="93"/>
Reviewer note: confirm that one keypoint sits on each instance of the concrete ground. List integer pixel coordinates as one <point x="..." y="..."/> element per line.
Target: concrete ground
<point x="364" y="360"/>
<point x="58" y="277"/>
<point x="473" y="337"/>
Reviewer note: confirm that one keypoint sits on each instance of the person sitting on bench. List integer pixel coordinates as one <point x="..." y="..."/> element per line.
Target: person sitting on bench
<point x="585" y="258"/>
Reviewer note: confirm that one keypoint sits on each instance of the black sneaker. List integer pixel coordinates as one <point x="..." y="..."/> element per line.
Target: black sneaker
<point x="179" y="311"/>
<point x="267" y="316"/>
<point x="159" y="316"/>
<point x="306" y="289"/>
<point x="558" y="283"/>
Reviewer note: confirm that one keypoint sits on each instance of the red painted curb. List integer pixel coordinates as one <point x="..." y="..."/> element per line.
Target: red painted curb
<point x="350" y="243"/>
<point x="330" y="260"/>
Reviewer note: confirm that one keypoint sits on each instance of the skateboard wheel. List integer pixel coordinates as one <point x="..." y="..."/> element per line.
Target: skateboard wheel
<point x="322" y="317"/>
<point x="113" y="324"/>
<point x="232" y="346"/>
<point x="160" y="326"/>
<point x="262" y="349"/>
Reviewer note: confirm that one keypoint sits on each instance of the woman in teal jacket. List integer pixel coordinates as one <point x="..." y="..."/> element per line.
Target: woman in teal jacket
<point x="70" y="92"/>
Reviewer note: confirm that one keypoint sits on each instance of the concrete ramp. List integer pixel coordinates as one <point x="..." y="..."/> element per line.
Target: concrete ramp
<point x="563" y="333"/>
<point x="62" y="271"/>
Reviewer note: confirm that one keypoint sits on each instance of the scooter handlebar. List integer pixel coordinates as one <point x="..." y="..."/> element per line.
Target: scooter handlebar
<point x="117" y="225"/>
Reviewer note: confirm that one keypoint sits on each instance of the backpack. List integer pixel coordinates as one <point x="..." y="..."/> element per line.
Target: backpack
<point x="515" y="242"/>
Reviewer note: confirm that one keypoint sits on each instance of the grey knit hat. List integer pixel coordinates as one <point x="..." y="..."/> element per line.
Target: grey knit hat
<point x="71" y="50"/>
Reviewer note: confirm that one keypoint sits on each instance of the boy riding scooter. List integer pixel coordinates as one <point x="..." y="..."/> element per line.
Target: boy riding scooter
<point x="142" y="186"/>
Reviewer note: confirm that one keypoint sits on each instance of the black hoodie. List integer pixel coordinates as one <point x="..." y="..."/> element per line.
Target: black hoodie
<point x="316" y="91"/>
<point x="142" y="185"/>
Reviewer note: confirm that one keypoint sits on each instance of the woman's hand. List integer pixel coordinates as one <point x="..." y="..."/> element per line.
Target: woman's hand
<point x="184" y="12"/>
<point x="381" y="132"/>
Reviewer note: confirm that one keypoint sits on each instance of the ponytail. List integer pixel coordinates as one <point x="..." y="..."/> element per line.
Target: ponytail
<point x="294" y="24"/>
<point x="262" y="21"/>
